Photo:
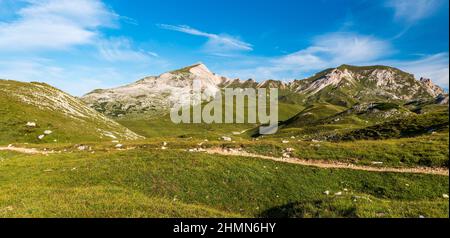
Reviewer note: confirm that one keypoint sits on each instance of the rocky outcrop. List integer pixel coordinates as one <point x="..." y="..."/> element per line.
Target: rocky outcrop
<point x="430" y="87"/>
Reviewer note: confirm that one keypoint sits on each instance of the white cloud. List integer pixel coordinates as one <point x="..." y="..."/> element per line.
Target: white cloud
<point x="413" y="10"/>
<point x="217" y="44"/>
<point x="121" y="49"/>
<point x="326" y="51"/>
<point x="336" y="48"/>
<point x="55" y="24"/>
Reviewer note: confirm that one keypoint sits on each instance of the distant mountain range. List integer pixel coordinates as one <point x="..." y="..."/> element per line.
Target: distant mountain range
<point x="342" y="86"/>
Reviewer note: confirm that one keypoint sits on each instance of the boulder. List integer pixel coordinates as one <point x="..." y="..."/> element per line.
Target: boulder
<point x="31" y="124"/>
<point x="226" y="138"/>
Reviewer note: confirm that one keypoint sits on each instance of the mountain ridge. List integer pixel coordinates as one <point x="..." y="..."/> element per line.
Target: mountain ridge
<point x="345" y="85"/>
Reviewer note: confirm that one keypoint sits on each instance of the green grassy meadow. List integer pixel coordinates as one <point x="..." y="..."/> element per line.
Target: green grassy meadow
<point x="149" y="182"/>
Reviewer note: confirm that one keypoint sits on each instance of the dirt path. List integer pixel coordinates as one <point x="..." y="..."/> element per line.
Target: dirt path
<point x="24" y="150"/>
<point x="313" y="163"/>
<point x="331" y="164"/>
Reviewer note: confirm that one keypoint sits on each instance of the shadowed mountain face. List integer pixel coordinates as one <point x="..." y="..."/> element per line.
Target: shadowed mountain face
<point x="344" y="86"/>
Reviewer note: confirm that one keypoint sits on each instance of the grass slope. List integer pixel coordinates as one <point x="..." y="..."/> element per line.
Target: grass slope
<point x="155" y="183"/>
<point x="51" y="109"/>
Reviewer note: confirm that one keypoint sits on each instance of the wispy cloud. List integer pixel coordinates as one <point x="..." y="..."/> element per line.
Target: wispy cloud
<point x="326" y="51"/>
<point x="411" y="11"/>
<point x="217" y="44"/>
<point x="335" y="48"/>
<point x="55" y="24"/>
<point x="121" y="50"/>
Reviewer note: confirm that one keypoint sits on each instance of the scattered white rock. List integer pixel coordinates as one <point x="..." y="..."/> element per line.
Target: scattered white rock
<point x="292" y="137"/>
<point x="31" y="124"/>
<point x="119" y="146"/>
<point x="285" y="142"/>
<point x="48" y="132"/>
<point x="81" y="147"/>
<point x="338" y="194"/>
<point x="286" y="155"/>
<point x="289" y="150"/>
<point x="445" y="196"/>
<point x="236" y="133"/>
<point x="163" y="148"/>
<point x="115" y="141"/>
<point x="326" y="192"/>
<point x="196" y="150"/>
<point x="164" y="143"/>
<point x="315" y="141"/>
<point x="421" y="216"/>
<point x="40" y="137"/>
<point x="345" y="190"/>
<point x="10" y="145"/>
<point x="226" y="138"/>
<point x="377" y="163"/>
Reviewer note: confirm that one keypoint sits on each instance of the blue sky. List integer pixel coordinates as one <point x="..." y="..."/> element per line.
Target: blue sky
<point x="80" y="45"/>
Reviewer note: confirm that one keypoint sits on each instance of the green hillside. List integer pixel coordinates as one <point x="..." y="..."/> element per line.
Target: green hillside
<point x="46" y="108"/>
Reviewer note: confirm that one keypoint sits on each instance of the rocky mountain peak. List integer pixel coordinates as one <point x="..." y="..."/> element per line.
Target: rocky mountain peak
<point x="156" y="93"/>
<point x="431" y="88"/>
